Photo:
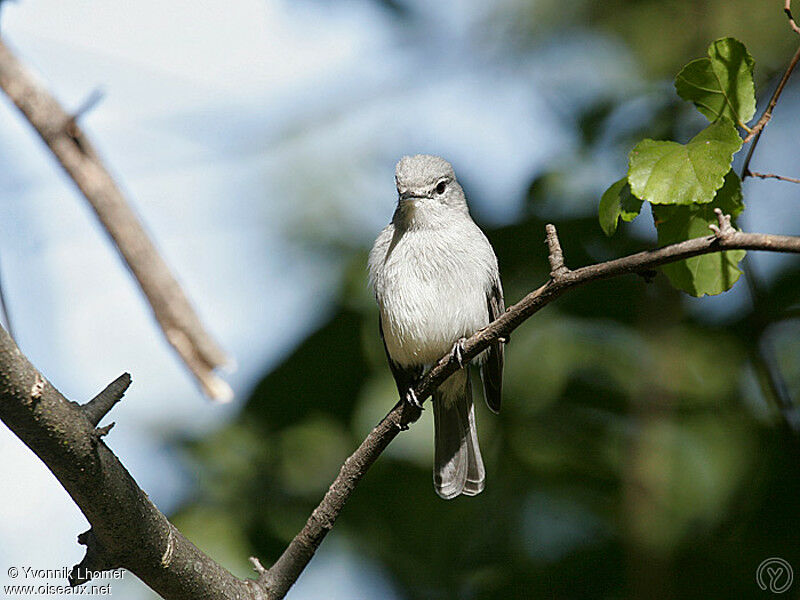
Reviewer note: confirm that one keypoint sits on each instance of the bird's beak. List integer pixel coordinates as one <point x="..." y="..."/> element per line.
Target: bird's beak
<point x="408" y="199"/>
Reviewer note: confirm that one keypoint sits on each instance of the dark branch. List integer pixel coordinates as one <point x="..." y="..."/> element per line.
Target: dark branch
<point x="96" y="408"/>
<point x="70" y="145"/>
<point x="127" y="529"/>
<point x="301" y="549"/>
<point x="95" y="559"/>
<point x="767" y="115"/>
<point x="71" y="126"/>
<point x="773" y="385"/>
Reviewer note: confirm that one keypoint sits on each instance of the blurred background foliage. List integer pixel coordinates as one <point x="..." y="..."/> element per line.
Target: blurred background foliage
<point x="639" y="453"/>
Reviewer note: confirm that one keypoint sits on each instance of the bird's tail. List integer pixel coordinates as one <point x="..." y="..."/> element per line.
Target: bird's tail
<point x="458" y="466"/>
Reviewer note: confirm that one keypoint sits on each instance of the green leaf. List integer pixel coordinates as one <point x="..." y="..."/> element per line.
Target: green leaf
<point x="722" y="84"/>
<point x="673" y="173"/>
<point x="618" y="202"/>
<point x="710" y="273"/>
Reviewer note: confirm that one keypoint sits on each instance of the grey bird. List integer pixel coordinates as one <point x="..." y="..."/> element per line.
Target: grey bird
<point x="436" y="280"/>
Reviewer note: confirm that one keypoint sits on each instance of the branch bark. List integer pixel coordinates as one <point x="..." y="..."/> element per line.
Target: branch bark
<point x="301" y="549"/>
<point x="773" y="176"/>
<point x="71" y="147"/>
<point x="128" y="531"/>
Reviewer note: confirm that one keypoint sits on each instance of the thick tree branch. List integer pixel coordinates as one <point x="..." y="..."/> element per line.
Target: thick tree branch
<point x="301" y="549"/>
<point x="74" y="152"/>
<point x="127" y="529"/>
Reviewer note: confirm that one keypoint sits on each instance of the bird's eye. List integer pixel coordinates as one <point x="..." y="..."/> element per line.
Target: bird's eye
<point x="442" y="185"/>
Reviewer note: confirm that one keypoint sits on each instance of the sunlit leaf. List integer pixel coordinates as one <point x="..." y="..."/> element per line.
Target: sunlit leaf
<point x="720" y="85"/>
<point x="618" y="203"/>
<point x="673" y="173"/>
<point x="710" y="273"/>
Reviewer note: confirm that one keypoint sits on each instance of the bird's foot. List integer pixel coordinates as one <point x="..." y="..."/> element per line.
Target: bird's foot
<point x="458" y="351"/>
<point x="401" y="427"/>
<point x="411" y="398"/>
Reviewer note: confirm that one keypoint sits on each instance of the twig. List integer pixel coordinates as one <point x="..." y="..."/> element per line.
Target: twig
<point x="764" y="360"/>
<point x="74" y="152"/>
<point x="86" y="106"/>
<point x="723" y="229"/>
<point x="555" y="255"/>
<point x="4" y="309"/>
<point x="767" y="115"/>
<point x="772" y="176"/>
<point x="773" y="384"/>
<point x="788" y="10"/>
<point x="133" y="534"/>
<point x="96" y="408"/>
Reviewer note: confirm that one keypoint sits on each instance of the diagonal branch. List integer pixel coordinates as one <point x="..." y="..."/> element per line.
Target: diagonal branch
<point x="128" y="531"/>
<point x="74" y="152"/>
<point x="788" y="10"/>
<point x="301" y="549"/>
<point x="767" y="115"/>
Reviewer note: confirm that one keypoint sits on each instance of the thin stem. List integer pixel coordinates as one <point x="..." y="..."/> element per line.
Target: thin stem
<point x="773" y="176"/>
<point x="788" y="10"/>
<point x="762" y="122"/>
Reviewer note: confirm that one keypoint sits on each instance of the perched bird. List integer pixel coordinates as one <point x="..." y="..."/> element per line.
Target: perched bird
<point x="436" y="281"/>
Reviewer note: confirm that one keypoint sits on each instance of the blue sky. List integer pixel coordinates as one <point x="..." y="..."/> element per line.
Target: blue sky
<point x="232" y="126"/>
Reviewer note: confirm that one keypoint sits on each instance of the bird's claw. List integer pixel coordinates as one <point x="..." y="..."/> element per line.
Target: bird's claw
<point x="458" y="352"/>
<point x="401" y="427"/>
<point x="411" y="398"/>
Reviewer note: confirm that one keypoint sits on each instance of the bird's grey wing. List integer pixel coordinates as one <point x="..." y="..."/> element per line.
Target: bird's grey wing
<point x="492" y="367"/>
<point x="405" y="378"/>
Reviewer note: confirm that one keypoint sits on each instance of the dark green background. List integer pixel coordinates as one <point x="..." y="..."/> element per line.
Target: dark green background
<point x="639" y="453"/>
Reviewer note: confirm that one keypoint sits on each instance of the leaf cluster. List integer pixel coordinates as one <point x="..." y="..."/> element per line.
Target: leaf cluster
<point x="684" y="183"/>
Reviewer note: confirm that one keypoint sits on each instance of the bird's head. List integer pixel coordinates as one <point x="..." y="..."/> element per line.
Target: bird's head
<point x="427" y="185"/>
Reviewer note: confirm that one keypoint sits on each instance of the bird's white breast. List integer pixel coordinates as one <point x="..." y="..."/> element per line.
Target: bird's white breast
<point x="431" y="290"/>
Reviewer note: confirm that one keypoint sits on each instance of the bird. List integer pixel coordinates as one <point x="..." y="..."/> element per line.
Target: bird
<point x="436" y="280"/>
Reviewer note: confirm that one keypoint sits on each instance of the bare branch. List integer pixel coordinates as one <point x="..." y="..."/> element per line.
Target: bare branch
<point x="555" y="255"/>
<point x="723" y="229"/>
<point x="74" y="152"/>
<point x="96" y="408"/>
<point x="773" y="384"/>
<point x="772" y="176"/>
<point x="301" y="549"/>
<point x="767" y="115"/>
<point x="788" y="10"/>
<point x="127" y="529"/>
